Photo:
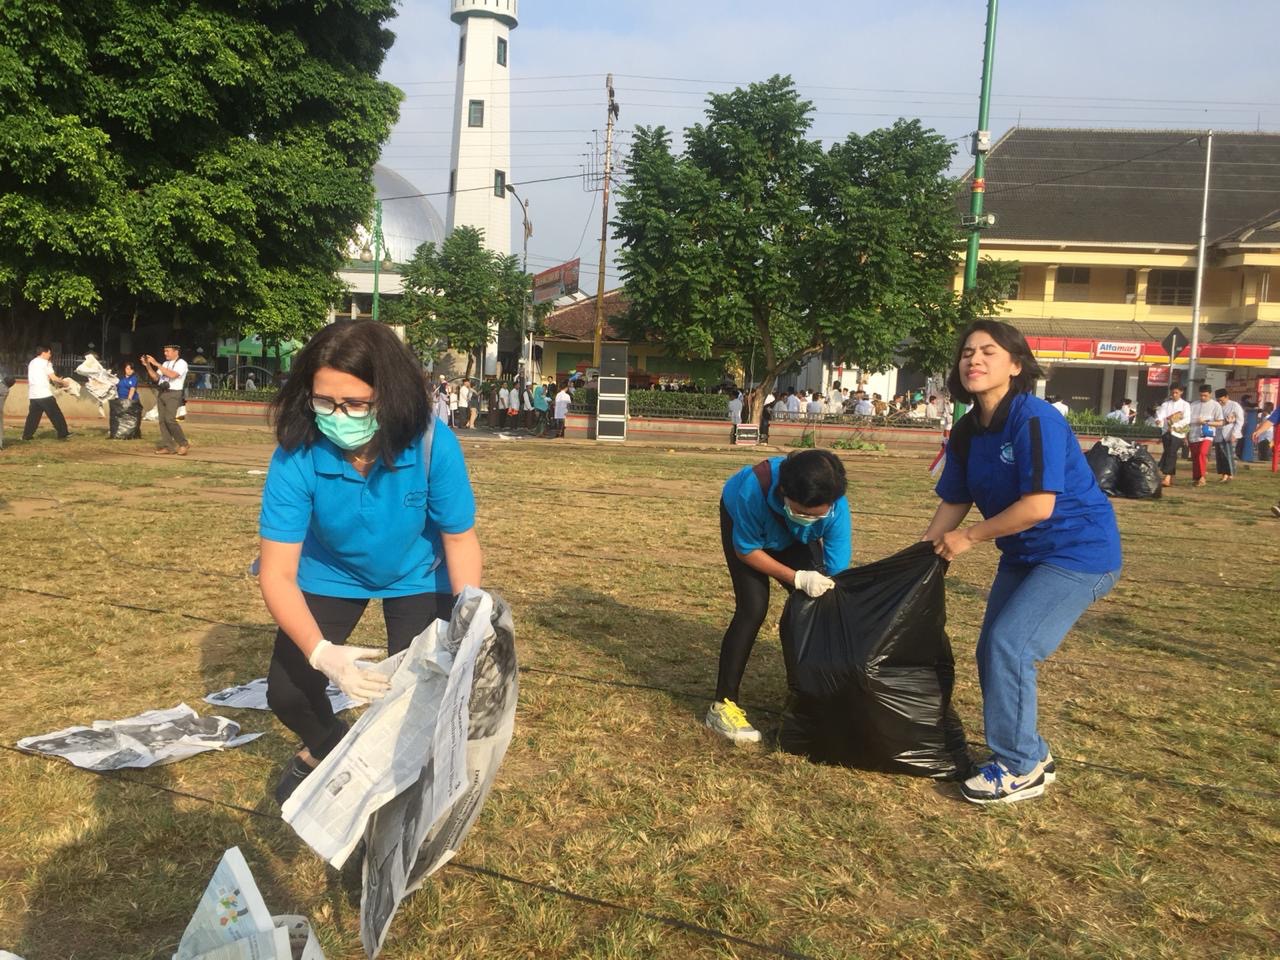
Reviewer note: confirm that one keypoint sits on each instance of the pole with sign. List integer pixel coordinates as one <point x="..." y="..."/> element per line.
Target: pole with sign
<point x="1171" y="344"/>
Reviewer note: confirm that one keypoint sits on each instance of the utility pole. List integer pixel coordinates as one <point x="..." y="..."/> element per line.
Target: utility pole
<point x="976" y="220"/>
<point x="604" y="219"/>
<point x="1195" y="305"/>
<point x="526" y="334"/>
<point x="376" y="254"/>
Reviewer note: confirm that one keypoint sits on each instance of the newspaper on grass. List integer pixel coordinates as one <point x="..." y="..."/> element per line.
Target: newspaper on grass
<point x="148" y="739"/>
<point x="253" y="696"/>
<point x="232" y="922"/>
<point x="411" y="775"/>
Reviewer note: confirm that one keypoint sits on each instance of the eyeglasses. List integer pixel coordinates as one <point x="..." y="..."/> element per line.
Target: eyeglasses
<point x="356" y="409"/>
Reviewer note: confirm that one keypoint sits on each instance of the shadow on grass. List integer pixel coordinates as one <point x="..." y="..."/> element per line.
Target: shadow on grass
<point x="660" y="649"/>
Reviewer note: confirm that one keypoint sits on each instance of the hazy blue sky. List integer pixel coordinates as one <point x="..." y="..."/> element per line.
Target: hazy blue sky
<point x="1111" y="63"/>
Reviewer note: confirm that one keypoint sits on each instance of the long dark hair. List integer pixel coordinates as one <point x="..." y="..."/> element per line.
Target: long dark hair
<point x="374" y="354"/>
<point x="1009" y="337"/>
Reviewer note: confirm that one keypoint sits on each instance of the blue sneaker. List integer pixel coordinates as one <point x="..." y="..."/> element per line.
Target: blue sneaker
<point x="995" y="783"/>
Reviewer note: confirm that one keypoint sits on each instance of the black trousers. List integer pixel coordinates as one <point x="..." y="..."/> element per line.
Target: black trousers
<point x="751" y="600"/>
<point x="1169" y="458"/>
<point x="296" y="690"/>
<point x="48" y="407"/>
<point x="1223" y="453"/>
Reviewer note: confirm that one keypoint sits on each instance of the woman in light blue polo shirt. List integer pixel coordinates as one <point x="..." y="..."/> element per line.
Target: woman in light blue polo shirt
<point x="1016" y="457"/>
<point x="781" y="519"/>
<point x="365" y="497"/>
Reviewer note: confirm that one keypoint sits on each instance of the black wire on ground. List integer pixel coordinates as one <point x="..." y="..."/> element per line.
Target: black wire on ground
<point x="675" y="923"/>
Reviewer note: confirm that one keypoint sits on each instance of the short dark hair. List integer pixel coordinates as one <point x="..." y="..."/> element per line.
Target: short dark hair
<point x="1011" y="339"/>
<point x="41" y="348"/>
<point x="812" y="477"/>
<point x="1206" y="388"/>
<point x="1222" y="392"/>
<point x="173" y="346"/>
<point x="373" y="353"/>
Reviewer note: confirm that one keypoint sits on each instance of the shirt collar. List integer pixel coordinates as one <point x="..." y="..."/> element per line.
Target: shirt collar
<point x="1000" y="417"/>
<point x="331" y="461"/>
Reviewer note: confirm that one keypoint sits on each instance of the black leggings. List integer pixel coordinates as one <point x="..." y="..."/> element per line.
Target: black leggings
<point x="751" y="597"/>
<point x="296" y="690"/>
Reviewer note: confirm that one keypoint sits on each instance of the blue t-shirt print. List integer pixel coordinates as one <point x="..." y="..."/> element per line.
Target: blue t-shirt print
<point x="1030" y="448"/>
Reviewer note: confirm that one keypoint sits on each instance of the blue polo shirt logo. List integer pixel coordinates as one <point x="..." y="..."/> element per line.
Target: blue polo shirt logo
<point x="1006" y="453"/>
<point x="416" y="498"/>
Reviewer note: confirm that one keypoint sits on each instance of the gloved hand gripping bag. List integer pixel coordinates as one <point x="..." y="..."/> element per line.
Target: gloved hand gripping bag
<point x="870" y="670"/>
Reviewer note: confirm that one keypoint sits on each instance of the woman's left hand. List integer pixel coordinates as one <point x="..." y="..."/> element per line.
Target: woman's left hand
<point x="951" y="545"/>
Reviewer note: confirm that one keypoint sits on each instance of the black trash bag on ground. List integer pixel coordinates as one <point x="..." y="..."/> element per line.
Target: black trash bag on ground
<point x="126" y="420"/>
<point x="870" y="670"/>
<point x="1139" y="476"/>
<point x="1105" y="466"/>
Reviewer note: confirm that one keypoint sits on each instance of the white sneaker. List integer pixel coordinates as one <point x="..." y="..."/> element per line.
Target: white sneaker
<point x="727" y="719"/>
<point x="995" y="783"/>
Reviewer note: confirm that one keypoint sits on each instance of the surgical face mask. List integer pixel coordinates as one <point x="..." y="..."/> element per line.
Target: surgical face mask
<point x="799" y="519"/>
<point x="349" y="433"/>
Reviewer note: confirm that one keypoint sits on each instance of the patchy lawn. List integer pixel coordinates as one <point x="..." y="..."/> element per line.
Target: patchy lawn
<point x="127" y="589"/>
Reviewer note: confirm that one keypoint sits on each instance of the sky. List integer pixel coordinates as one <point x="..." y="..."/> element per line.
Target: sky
<point x="1142" y="64"/>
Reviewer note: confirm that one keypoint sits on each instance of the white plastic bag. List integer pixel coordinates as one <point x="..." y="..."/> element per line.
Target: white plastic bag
<point x="153" y="415"/>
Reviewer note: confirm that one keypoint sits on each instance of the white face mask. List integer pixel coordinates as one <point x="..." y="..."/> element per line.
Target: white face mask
<point x="800" y="519"/>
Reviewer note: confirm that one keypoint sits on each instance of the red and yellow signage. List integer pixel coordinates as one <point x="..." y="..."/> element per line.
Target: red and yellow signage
<point x="1149" y="351"/>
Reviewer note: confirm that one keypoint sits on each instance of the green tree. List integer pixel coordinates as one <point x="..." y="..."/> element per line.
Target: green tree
<point x="756" y="239"/>
<point x="453" y="293"/>
<point x="186" y="157"/>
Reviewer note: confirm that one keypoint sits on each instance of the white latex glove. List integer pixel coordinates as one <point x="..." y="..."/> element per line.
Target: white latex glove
<point x="813" y="583"/>
<point x="341" y="665"/>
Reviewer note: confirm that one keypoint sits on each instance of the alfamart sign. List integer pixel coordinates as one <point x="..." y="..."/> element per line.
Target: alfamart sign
<point x="1117" y="350"/>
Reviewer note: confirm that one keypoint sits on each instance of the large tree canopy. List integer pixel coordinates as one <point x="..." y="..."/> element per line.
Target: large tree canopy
<point x="187" y="155"/>
<point x="454" y="292"/>
<point x="757" y="238"/>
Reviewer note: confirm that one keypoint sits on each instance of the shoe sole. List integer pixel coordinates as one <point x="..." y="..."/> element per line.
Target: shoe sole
<point x="733" y="738"/>
<point x="1029" y="793"/>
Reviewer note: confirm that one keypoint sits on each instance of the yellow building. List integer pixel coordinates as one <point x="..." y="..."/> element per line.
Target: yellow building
<point x="569" y="343"/>
<point x="1105" y="224"/>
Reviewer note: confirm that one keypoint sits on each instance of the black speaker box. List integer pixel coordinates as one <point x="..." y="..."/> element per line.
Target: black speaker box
<point x="613" y="360"/>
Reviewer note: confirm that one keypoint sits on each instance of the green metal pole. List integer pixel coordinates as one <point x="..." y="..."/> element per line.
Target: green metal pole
<point x="981" y="142"/>
<point x="377" y="253"/>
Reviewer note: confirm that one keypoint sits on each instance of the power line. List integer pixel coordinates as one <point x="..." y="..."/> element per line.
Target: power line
<point x="445" y="193"/>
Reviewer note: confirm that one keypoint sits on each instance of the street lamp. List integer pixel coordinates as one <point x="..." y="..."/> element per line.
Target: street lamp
<point x="380" y="255"/>
<point x="526" y="334"/>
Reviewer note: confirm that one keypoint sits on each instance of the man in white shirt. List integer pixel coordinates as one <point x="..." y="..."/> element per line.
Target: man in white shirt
<point x="863" y="407"/>
<point x="40" y="402"/>
<point x="793" y="404"/>
<point x="1174" y="418"/>
<point x="1224" y="441"/>
<point x="171" y="377"/>
<point x="814" y="407"/>
<point x="563" y="399"/>
<point x="1206" y="417"/>
<point x="1119" y="414"/>
<point x="735" y="407"/>
<point x="1058" y="405"/>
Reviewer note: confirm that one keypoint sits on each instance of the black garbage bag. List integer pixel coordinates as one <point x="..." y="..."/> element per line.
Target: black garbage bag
<point x="1105" y="466"/>
<point x="126" y="420"/>
<point x="1139" y="476"/>
<point x="870" y="670"/>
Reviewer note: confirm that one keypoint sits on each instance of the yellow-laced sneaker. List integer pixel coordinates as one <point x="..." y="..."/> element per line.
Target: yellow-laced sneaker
<point x="727" y="719"/>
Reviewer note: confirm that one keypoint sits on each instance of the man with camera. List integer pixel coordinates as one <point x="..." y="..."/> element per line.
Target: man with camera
<point x="170" y="378"/>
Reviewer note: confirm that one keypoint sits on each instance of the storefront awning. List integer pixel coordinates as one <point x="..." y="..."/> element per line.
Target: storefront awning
<point x="1221" y="345"/>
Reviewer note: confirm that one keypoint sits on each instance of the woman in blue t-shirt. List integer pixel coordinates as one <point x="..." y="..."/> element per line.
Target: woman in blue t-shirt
<point x="784" y="519"/>
<point x="1017" y="458"/>
<point x="365" y="497"/>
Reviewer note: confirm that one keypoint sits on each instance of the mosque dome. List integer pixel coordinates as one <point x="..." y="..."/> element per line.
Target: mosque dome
<point x="408" y="219"/>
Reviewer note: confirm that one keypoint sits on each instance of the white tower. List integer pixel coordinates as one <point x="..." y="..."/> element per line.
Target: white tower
<point x="480" y="162"/>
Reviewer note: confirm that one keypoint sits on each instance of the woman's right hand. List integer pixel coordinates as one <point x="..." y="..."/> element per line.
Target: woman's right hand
<point x="341" y="665"/>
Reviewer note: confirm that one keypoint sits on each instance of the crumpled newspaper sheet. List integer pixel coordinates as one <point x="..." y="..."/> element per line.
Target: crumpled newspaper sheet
<point x="253" y="696"/>
<point x="145" y="740"/>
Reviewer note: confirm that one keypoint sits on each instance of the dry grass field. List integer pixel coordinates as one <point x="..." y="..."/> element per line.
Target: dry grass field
<point x="619" y="828"/>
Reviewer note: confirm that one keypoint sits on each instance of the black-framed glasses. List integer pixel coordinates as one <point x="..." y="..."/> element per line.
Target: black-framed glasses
<point x="356" y="409"/>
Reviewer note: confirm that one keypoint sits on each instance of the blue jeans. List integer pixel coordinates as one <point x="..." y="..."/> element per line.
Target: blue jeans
<point x="1029" y="612"/>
